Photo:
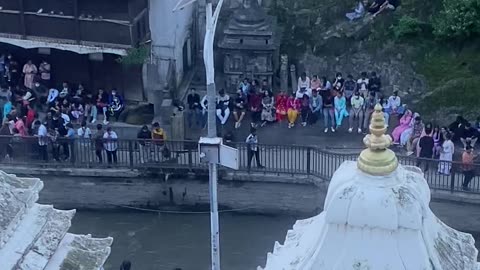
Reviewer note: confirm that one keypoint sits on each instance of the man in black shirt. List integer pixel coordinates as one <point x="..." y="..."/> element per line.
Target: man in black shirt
<point x="194" y="108"/>
<point x="375" y="85"/>
<point x="426" y="145"/>
<point x="239" y="109"/>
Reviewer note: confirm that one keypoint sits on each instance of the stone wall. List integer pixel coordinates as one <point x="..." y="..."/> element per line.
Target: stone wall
<point x="84" y="192"/>
<point x="391" y="67"/>
<point x="256" y="193"/>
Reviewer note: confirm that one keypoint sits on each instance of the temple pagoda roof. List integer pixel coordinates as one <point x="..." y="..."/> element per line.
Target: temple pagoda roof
<point x="35" y="236"/>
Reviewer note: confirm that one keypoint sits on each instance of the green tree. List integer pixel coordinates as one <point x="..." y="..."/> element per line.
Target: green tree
<point x="407" y="26"/>
<point x="459" y="19"/>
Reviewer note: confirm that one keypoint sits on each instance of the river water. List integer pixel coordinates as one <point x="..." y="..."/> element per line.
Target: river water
<point x="165" y="241"/>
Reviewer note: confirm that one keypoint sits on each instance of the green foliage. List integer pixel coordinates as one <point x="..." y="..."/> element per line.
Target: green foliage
<point x="135" y="56"/>
<point x="406" y="27"/>
<point x="453" y="79"/>
<point x="459" y="20"/>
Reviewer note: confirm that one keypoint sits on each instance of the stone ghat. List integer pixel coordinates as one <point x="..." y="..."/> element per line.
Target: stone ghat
<point x="35" y="236"/>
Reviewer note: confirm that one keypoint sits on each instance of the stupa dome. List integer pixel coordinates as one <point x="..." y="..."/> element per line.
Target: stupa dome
<point x="376" y="217"/>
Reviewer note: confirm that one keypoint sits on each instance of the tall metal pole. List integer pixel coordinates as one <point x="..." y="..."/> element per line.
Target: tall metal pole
<point x="211" y="25"/>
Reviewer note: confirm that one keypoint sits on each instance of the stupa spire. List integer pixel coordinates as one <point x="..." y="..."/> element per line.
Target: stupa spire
<point x="377" y="159"/>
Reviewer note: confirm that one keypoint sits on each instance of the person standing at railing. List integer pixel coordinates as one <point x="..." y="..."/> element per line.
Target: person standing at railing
<point x="42" y="135"/>
<point x="425" y="148"/>
<point x="84" y="135"/>
<point x="68" y="145"/>
<point x="446" y="155"/>
<point x="158" y="140"/>
<point x="98" y="140"/>
<point x="144" y="136"/>
<point x="252" y="149"/>
<point x="111" y="145"/>
<point x="468" y="167"/>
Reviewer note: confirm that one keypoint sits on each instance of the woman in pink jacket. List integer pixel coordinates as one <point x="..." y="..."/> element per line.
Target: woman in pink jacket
<point x="402" y="126"/>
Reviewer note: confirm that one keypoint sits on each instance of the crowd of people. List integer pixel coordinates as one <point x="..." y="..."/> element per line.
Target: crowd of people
<point x="29" y="93"/>
<point x="31" y="105"/>
<point x="336" y="101"/>
<point x="316" y="98"/>
<point x="80" y="145"/>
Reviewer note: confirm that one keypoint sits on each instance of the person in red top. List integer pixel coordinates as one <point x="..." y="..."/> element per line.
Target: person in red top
<point x="281" y="106"/>
<point x="255" y="105"/>
<point x="293" y="108"/>
<point x="30" y="116"/>
<point x="468" y="167"/>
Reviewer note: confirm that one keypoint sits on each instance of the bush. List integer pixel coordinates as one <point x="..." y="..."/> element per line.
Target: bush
<point x="459" y="19"/>
<point x="135" y="56"/>
<point x="406" y="27"/>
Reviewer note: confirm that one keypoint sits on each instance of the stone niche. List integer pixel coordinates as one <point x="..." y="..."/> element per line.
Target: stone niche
<point x="249" y="45"/>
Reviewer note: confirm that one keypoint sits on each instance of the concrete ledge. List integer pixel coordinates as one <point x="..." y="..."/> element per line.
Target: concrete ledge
<point x="85" y="172"/>
<point x="459" y="197"/>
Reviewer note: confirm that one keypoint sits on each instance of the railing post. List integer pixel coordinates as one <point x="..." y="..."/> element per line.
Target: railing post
<point x="452" y="179"/>
<point x="309" y="154"/>
<point x="72" y="143"/>
<point x="130" y="153"/>
<point x="190" y="157"/>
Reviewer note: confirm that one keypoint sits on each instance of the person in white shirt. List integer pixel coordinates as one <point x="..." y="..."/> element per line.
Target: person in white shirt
<point x="42" y="135"/>
<point x="223" y="109"/>
<point x="304" y="83"/>
<point x="395" y="102"/>
<point x="356" y="112"/>
<point x="110" y="145"/>
<point x="362" y="84"/>
<point x="84" y="134"/>
<point x="52" y="96"/>
<point x="65" y="117"/>
<point x="204" y="104"/>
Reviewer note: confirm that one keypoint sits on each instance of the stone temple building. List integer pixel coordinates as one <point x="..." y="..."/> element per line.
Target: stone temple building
<point x="249" y="45"/>
<point x="35" y="236"/>
<point x="376" y="216"/>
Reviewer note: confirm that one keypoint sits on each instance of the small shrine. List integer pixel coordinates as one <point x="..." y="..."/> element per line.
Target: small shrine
<point x="376" y="216"/>
<point x="35" y="236"/>
<point x="249" y="45"/>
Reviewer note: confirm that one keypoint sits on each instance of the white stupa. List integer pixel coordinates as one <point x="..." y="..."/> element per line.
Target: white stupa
<point x="35" y="236"/>
<point x="376" y="217"/>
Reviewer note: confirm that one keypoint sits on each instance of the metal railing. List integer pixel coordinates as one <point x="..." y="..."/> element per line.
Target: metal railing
<point x="138" y="154"/>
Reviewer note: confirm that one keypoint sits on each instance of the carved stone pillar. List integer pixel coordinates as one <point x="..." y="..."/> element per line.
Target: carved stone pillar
<point x="284" y="72"/>
<point x="293" y="75"/>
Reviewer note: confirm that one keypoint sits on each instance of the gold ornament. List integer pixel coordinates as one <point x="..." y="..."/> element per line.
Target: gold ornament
<point x="377" y="159"/>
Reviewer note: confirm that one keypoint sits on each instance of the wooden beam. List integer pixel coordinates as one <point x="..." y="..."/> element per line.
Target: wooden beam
<point x="76" y="14"/>
<point x="23" y="26"/>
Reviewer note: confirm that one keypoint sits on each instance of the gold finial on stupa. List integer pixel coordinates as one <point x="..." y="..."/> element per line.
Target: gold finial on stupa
<point x="377" y="159"/>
